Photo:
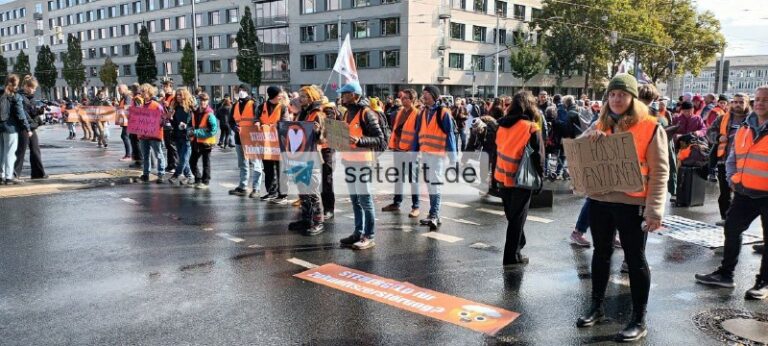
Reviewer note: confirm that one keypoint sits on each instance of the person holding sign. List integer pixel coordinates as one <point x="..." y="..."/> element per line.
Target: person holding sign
<point x="203" y="137"/>
<point x="243" y="115"/>
<point x="271" y="112"/>
<point x="149" y="144"/>
<point x="633" y="214"/>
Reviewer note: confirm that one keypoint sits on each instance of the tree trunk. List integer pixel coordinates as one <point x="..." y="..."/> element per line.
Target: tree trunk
<point x="586" y="76"/>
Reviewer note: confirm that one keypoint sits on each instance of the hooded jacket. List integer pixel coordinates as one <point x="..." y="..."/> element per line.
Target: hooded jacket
<point x="373" y="137"/>
<point x="33" y="113"/>
<point x="17" y="122"/>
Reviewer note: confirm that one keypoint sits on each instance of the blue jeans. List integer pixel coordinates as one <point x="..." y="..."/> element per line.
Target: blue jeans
<point x="582" y="224"/>
<point x="157" y="147"/>
<point x="245" y="167"/>
<point x="185" y="151"/>
<point x="362" y="207"/>
<point x="463" y="140"/>
<point x="435" y="178"/>
<point x="401" y="160"/>
<point x="9" y="142"/>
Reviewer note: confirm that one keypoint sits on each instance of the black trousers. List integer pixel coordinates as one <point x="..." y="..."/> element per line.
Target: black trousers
<point x="724" y="201"/>
<point x="272" y="178"/>
<point x="135" y="147"/>
<point x="172" y="156"/>
<point x="326" y="194"/>
<point x="35" y="160"/>
<point x="604" y="219"/>
<point x="201" y="150"/>
<point x="516" y="202"/>
<point x="743" y="211"/>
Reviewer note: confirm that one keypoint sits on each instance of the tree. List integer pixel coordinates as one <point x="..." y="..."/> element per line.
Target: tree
<point x="188" y="66"/>
<point x="248" y="59"/>
<point x="21" y="67"/>
<point x="527" y="61"/>
<point x="108" y="74"/>
<point x="74" y="70"/>
<point x="3" y="68"/>
<point x="146" y="64"/>
<point x="45" y="71"/>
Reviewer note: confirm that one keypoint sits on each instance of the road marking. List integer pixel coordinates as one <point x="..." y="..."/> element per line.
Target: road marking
<point x="129" y="200"/>
<point x="539" y="219"/>
<point x="348" y="216"/>
<point x="228" y="185"/>
<point x="254" y="246"/>
<point x="491" y="211"/>
<point x="230" y="237"/>
<point x="441" y="236"/>
<point x="481" y="246"/>
<point x="303" y="263"/>
<point x="405" y="228"/>
<point x="461" y="221"/>
<point x="455" y="205"/>
<point x="208" y="229"/>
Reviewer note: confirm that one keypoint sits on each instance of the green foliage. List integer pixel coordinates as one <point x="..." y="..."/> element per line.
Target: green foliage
<point x="108" y="74"/>
<point x="188" y="66"/>
<point x="146" y="64"/>
<point x="74" y="70"/>
<point x="45" y="71"/>
<point x="527" y="61"/>
<point x="248" y="58"/>
<point x="21" y="67"/>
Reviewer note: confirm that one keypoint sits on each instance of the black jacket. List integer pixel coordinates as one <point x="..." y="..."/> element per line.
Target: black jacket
<point x="373" y="136"/>
<point x="485" y="141"/>
<point x="181" y="116"/>
<point x="34" y="114"/>
<point x="221" y="115"/>
<point x="534" y="142"/>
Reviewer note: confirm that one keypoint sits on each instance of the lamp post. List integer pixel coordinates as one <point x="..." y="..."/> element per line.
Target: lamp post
<point x="194" y="39"/>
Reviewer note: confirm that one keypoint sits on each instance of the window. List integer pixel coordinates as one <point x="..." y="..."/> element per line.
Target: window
<point x="91" y="35"/>
<point x="51" y="6"/>
<point x="213" y="18"/>
<point x="215" y="66"/>
<point x="457" y="31"/>
<point x="386" y="2"/>
<point x="165" y="4"/>
<point x="101" y="14"/>
<point x="199" y="42"/>
<point x="126" y="49"/>
<point x="501" y="64"/>
<point x="307" y="33"/>
<point x="232" y="65"/>
<point x="114" y="51"/>
<point x="152" y="26"/>
<point x="502" y="34"/>
<point x="330" y="60"/>
<point x="332" y="5"/>
<point x="113" y="31"/>
<point x="92" y="71"/>
<point x="199" y="67"/>
<point x="125" y="9"/>
<point x="362" y="59"/>
<point x="232" y="41"/>
<point x="360" y="3"/>
<point x="165" y="24"/>
<point x="519" y="12"/>
<point x="137" y="7"/>
<point x="113" y="12"/>
<point x="198" y="19"/>
<point x="166" y="46"/>
<point x="535" y="13"/>
<point x="180" y="43"/>
<point x="331" y="31"/>
<point x="102" y="33"/>
<point x="459" y="4"/>
<point x="360" y="29"/>
<point x="38" y="8"/>
<point x="103" y="52"/>
<point x="308" y="62"/>
<point x="501" y="8"/>
<point x="137" y="28"/>
<point x="456" y="60"/>
<point x="390" y="26"/>
<point x="481" y="6"/>
<point x="478" y="33"/>
<point x="214" y="42"/>
<point x="233" y="16"/>
<point x="179" y="3"/>
<point x="125" y="29"/>
<point x="478" y="61"/>
<point x="150" y="5"/>
<point x="307" y="6"/>
<point x="390" y="58"/>
<point x="181" y="22"/>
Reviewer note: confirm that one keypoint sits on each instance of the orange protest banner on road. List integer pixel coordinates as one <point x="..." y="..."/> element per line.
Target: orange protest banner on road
<point x="402" y="295"/>
<point x="260" y="143"/>
<point x="98" y="113"/>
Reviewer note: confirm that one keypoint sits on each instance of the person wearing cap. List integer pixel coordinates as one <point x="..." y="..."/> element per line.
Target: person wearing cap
<point x="365" y="134"/>
<point x="688" y="124"/>
<point x="747" y="173"/>
<point x="203" y="130"/>
<point x="436" y="141"/>
<point x="270" y="113"/>
<point x="698" y="104"/>
<point x="244" y="114"/>
<point x="626" y="212"/>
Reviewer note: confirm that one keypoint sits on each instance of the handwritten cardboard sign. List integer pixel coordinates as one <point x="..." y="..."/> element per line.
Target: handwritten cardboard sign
<point x="337" y="134"/>
<point x="406" y="296"/>
<point x="98" y="113"/>
<point x="260" y="142"/>
<point x="145" y="122"/>
<point x="607" y="165"/>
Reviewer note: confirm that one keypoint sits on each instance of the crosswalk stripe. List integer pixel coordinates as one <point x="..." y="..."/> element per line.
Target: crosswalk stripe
<point x="228" y="185"/>
<point x="303" y="263"/>
<point x="491" y="211"/>
<point x="230" y="237"/>
<point x="461" y="221"/>
<point x="129" y="200"/>
<point x="539" y="219"/>
<point x="441" y="236"/>
<point x="454" y="205"/>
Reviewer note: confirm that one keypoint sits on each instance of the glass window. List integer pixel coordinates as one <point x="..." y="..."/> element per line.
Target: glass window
<point x="330" y="60"/>
<point x="502" y="34"/>
<point x="459" y="4"/>
<point x="519" y="12"/>
<point x="478" y="33"/>
<point x="232" y="65"/>
<point x="307" y="6"/>
<point x="115" y="51"/>
<point x="152" y="26"/>
<point x="137" y="7"/>
<point x="360" y="29"/>
<point x="232" y="41"/>
<point x="457" y="31"/>
<point x="214" y="42"/>
<point x="198" y="19"/>
<point x="307" y="33"/>
<point x="215" y="66"/>
<point x="362" y="59"/>
<point x="181" y="22"/>
<point x="38" y="8"/>
<point x="481" y="6"/>
<point x="501" y="8"/>
<point x="536" y="13"/>
<point x="126" y="49"/>
<point x="213" y="18"/>
<point x="113" y="12"/>
<point x="308" y="62"/>
<point x="233" y="16"/>
<point x="390" y="58"/>
<point x="390" y="26"/>
<point x="150" y="5"/>
<point x="360" y="3"/>
<point x="332" y="5"/>
<point x="180" y="43"/>
<point x="166" y="46"/>
<point x="165" y="24"/>
<point x="331" y="31"/>
<point x="478" y="61"/>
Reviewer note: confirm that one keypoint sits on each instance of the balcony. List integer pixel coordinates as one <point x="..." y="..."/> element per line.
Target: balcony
<point x="275" y="76"/>
<point x="278" y="21"/>
<point x="272" y="48"/>
<point x="37" y="16"/>
<point x="443" y="74"/>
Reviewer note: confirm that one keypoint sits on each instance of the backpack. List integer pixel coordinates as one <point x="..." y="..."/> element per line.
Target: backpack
<point x="385" y="129"/>
<point x="6" y="107"/>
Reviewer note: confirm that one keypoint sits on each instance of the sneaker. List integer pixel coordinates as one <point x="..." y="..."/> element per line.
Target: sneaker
<point x="624" y="267"/>
<point x="364" y="243"/>
<point x="268" y="197"/>
<point x="300" y="225"/>
<point x="126" y="158"/>
<point x="391" y="207"/>
<point x="717" y="278"/>
<point x="174" y="180"/>
<point x="14" y="181"/>
<point x="429" y="220"/>
<point x="253" y="194"/>
<point x="160" y="179"/>
<point x="279" y="200"/>
<point x="144" y="178"/>
<point x="201" y="186"/>
<point x="170" y="170"/>
<point x="414" y="213"/>
<point x="238" y="192"/>
<point x="759" y="291"/>
<point x="351" y="240"/>
<point x="578" y="238"/>
<point x="617" y="242"/>
<point x="712" y="177"/>
<point x="328" y="215"/>
<point x="315" y="230"/>
<point x="759" y="248"/>
<point x="720" y="223"/>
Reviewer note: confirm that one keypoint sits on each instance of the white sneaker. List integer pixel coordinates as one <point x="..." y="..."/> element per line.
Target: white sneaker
<point x="363" y="243"/>
<point x="579" y="239"/>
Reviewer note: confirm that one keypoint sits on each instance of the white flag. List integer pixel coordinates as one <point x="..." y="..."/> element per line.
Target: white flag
<point x="345" y="62"/>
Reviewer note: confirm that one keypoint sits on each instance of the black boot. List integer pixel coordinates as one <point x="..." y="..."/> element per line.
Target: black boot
<point x="595" y="315"/>
<point x="635" y="330"/>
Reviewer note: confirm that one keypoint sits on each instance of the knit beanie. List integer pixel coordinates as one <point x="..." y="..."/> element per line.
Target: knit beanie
<point x="723" y="98"/>
<point x="434" y="91"/>
<point x="273" y="91"/>
<point x="624" y="82"/>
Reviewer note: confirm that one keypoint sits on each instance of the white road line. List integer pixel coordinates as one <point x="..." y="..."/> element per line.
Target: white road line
<point x="461" y="221"/>
<point x="230" y="237"/>
<point x="454" y="205"/>
<point x="254" y="246"/>
<point x="352" y="216"/>
<point x="228" y="185"/>
<point x="129" y="200"/>
<point x="303" y="263"/>
<point x="441" y="236"/>
<point x="491" y="211"/>
<point x="208" y="229"/>
<point x="539" y="219"/>
<point x="480" y="246"/>
<point x="405" y="228"/>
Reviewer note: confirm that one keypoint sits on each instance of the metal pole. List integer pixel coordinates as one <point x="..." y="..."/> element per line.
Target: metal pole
<point x="720" y="79"/>
<point x="637" y="66"/>
<point x="338" y="31"/>
<point x="496" y="58"/>
<point x="194" y="38"/>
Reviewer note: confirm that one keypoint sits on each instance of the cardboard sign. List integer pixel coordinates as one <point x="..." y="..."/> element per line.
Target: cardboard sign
<point x="402" y="295"/>
<point x="260" y="143"/>
<point x="98" y="113"/>
<point x="607" y="165"/>
<point x="298" y="151"/>
<point x="145" y="122"/>
<point x="337" y="134"/>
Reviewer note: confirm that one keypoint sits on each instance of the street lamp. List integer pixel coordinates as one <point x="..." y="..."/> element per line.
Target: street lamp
<point x="194" y="40"/>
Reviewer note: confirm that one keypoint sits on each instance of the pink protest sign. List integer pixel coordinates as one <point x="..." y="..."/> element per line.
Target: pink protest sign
<point x="145" y="122"/>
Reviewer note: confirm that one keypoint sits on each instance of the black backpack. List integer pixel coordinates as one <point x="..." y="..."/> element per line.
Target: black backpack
<point x="6" y="107"/>
<point x="385" y="129"/>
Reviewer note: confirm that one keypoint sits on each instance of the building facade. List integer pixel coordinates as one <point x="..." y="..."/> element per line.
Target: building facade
<point x="741" y="74"/>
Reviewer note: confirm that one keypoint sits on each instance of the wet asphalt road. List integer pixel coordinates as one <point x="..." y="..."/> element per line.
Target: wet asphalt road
<point x="151" y="265"/>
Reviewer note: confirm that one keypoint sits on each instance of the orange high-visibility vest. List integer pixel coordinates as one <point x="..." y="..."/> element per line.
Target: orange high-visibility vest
<point x="313" y="116"/>
<point x="267" y="118"/>
<point x="247" y="117"/>
<point x="431" y="135"/>
<point x="154" y="105"/>
<point x="203" y="125"/>
<point x="407" y="133"/>
<point x="168" y="100"/>
<point x="725" y="123"/>
<point x="356" y="130"/>
<point x="684" y="154"/>
<point x="642" y="134"/>
<point x="751" y="160"/>
<point x="510" y="144"/>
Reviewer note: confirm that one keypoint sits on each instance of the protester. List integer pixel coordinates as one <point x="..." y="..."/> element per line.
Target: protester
<point x="617" y="210"/>
<point x="66" y="106"/>
<point x="709" y="114"/>
<point x="31" y="141"/>
<point x="168" y="141"/>
<point x="203" y="137"/>
<point x="244" y="114"/>
<point x="327" y="194"/>
<point x="126" y="101"/>
<point x="13" y="124"/>
<point x="270" y="113"/>
<point x="483" y="138"/>
<point x="698" y="104"/>
<point x="400" y="142"/>
<point x="100" y="128"/>
<point x="182" y="107"/>
<point x="150" y="145"/>
<point x="136" y="153"/>
<point x="460" y="115"/>
<point x="222" y="113"/>
<point x="688" y="125"/>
